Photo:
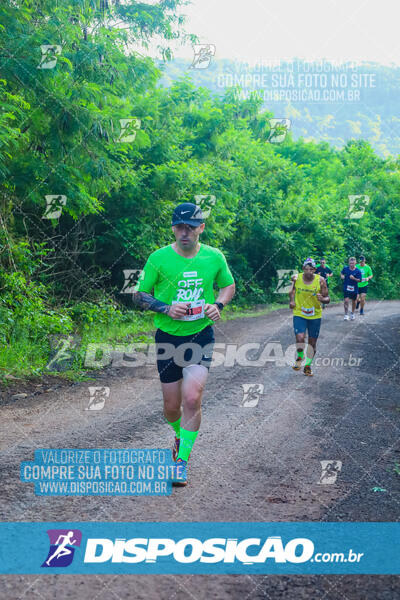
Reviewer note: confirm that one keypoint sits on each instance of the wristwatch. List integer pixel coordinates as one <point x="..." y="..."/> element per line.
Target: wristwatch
<point x="220" y="305"/>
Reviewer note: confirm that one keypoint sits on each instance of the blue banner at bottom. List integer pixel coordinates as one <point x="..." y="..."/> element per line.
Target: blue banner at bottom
<point x="200" y="548"/>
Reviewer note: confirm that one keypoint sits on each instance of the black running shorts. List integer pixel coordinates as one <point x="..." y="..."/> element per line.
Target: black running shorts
<point x="350" y="295"/>
<point x="175" y="352"/>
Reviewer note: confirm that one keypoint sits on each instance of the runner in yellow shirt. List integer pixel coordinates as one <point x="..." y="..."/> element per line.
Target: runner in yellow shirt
<point x="308" y="292"/>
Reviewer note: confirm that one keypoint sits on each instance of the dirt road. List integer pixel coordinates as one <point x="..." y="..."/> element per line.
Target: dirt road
<point x="250" y="463"/>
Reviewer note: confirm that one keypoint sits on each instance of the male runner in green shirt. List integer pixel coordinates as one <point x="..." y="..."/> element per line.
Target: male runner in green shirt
<point x="182" y="276"/>
<point x="325" y="272"/>
<point x="363" y="285"/>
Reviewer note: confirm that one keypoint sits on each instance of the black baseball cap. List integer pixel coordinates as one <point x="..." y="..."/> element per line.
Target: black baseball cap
<point x="187" y="213"/>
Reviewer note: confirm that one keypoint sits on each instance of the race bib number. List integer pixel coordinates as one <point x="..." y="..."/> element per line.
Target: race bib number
<point x="350" y="288"/>
<point x="308" y="312"/>
<point x="195" y="311"/>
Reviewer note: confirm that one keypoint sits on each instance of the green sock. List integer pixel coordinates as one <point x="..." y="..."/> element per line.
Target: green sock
<point x="176" y="425"/>
<point x="186" y="445"/>
<point x="308" y="361"/>
<point x="300" y="353"/>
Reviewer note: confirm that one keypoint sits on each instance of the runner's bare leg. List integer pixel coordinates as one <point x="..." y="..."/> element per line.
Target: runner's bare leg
<point x="194" y="380"/>
<point x="362" y="301"/>
<point x="311" y="347"/>
<point x="172" y="395"/>
<point x="300" y="341"/>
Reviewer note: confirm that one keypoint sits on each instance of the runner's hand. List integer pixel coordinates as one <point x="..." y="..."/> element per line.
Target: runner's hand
<point x="177" y="311"/>
<point x="212" y="312"/>
<point x="292" y="305"/>
<point x="320" y="297"/>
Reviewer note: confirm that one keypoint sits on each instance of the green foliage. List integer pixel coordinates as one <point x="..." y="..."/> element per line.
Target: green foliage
<point x="368" y="109"/>
<point x="60" y="134"/>
<point x="87" y="314"/>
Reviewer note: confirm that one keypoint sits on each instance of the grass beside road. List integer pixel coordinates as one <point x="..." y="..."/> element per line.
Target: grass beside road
<point x="55" y="344"/>
<point x="63" y="354"/>
<point x="62" y="351"/>
<point x="238" y="312"/>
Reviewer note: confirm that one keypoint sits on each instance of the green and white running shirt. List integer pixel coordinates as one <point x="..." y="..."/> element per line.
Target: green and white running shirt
<point x="179" y="279"/>
<point x="366" y="271"/>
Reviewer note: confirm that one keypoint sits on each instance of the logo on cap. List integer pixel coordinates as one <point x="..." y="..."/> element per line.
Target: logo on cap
<point x="309" y="261"/>
<point x="188" y="213"/>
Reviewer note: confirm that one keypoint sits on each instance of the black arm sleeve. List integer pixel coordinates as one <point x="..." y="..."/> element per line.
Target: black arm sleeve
<point x="148" y="302"/>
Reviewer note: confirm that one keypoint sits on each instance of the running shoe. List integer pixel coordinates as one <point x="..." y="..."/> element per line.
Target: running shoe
<point x="307" y="371"/>
<point x="352" y="317"/>
<point x="180" y="477"/>
<point x="175" y="448"/>
<point x="297" y="364"/>
<point x="362" y="312"/>
<point x="346" y="317"/>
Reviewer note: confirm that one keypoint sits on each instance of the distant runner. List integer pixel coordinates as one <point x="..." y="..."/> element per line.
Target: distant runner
<point x="308" y="292"/>
<point x="325" y="272"/>
<point x="183" y="275"/>
<point x="351" y="277"/>
<point x="367" y="274"/>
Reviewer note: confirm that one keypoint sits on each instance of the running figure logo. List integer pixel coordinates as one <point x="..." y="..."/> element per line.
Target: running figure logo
<point x="49" y="56"/>
<point x="129" y="129"/>
<point x="54" y="206"/>
<point x="251" y="394"/>
<point x="278" y="130"/>
<point x="203" y="54"/>
<point x="330" y="470"/>
<point x="285" y="281"/>
<point x="206" y="202"/>
<point x="358" y="204"/>
<point x="132" y="278"/>
<point x="63" y="351"/>
<point x="62" y="547"/>
<point x="98" y="397"/>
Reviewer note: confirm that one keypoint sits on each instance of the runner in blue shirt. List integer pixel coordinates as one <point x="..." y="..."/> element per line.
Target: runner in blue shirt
<point x="351" y="277"/>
